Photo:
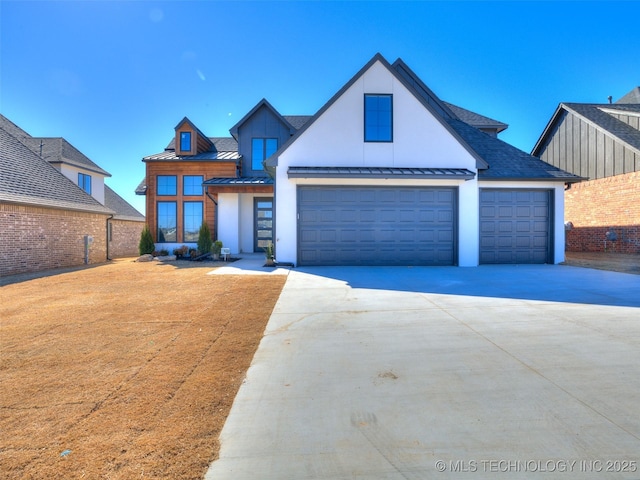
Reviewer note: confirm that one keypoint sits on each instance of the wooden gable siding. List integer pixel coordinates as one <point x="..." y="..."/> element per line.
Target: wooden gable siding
<point x="181" y="168"/>
<point x="201" y="144"/>
<point x="580" y="148"/>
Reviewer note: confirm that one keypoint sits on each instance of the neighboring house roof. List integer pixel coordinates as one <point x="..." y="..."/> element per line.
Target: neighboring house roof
<point x="123" y="210"/>
<point x="632" y="97"/>
<point x="58" y="150"/>
<point x="141" y="189"/>
<point x="600" y="116"/>
<point x="25" y="178"/>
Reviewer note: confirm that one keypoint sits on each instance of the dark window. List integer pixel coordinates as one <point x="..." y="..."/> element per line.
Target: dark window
<point x="185" y="141"/>
<point x="192" y="216"/>
<point x="378" y="118"/>
<point x="263" y="214"/>
<point x="192" y="184"/>
<point x="167" y="222"/>
<point x="84" y="182"/>
<point x="261" y="149"/>
<point x="167" y="185"/>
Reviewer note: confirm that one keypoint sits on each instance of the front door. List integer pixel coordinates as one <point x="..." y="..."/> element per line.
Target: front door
<point x="263" y="223"/>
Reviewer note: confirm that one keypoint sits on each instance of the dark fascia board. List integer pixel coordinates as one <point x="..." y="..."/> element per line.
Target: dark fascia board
<point x="572" y="179"/>
<point x="272" y="160"/>
<point x="193" y="125"/>
<point x="480" y="162"/>
<point x="382" y="173"/>
<point x="262" y="103"/>
<point x="545" y="133"/>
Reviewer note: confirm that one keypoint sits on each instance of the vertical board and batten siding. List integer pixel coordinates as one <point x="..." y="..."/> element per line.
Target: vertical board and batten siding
<point x="580" y="148"/>
<point x="262" y="124"/>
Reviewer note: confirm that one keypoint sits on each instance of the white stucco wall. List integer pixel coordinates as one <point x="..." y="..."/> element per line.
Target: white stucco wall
<point x="97" y="181"/>
<point x="229" y="216"/>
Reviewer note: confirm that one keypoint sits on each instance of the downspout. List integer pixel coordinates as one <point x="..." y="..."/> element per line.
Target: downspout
<point x="215" y="214"/>
<point x="109" y="218"/>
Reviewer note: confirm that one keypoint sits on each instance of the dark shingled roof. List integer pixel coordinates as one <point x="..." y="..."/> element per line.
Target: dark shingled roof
<point x="507" y="162"/>
<point x="632" y="97"/>
<point x="220" y="144"/>
<point x="123" y="210"/>
<point x="475" y="119"/>
<point x="297" y="121"/>
<point x="58" y="150"/>
<point x="26" y="178"/>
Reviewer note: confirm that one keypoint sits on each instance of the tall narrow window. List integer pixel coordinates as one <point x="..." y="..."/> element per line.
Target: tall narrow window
<point x="185" y="141"/>
<point x="192" y="216"/>
<point x="378" y="118"/>
<point x="167" y="185"/>
<point x="261" y="149"/>
<point x="192" y="184"/>
<point x="167" y="222"/>
<point x="84" y="182"/>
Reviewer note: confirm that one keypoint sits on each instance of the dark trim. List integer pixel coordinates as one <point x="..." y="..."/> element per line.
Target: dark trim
<point x="381" y="173"/>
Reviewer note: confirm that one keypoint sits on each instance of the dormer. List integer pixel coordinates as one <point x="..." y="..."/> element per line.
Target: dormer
<point x="189" y="140"/>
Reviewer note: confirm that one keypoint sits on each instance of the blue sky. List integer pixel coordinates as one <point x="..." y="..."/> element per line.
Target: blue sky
<point x="114" y="78"/>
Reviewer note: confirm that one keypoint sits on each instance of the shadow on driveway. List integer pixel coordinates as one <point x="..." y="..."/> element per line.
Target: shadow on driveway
<point x="553" y="283"/>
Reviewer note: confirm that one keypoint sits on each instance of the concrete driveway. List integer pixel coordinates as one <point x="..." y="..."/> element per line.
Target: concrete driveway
<point x="416" y="373"/>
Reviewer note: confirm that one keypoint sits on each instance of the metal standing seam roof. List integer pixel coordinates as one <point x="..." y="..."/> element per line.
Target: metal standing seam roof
<point x="170" y="155"/>
<point x="380" y="172"/>
<point x="239" y="181"/>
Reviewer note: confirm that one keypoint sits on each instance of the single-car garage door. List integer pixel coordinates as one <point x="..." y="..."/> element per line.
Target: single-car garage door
<point x="515" y="226"/>
<point x="376" y="225"/>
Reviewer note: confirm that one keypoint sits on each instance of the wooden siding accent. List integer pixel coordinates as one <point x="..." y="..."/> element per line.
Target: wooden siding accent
<point x="185" y="127"/>
<point x="180" y="169"/>
<point x="578" y="147"/>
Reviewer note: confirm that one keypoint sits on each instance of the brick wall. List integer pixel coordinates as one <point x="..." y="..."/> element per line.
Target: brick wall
<point x="125" y="237"/>
<point x="605" y="205"/>
<point x="35" y="238"/>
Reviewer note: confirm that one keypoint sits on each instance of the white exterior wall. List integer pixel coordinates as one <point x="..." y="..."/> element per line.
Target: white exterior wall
<point x="558" y="213"/>
<point x="97" y="181"/>
<point x="337" y="139"/>
<point x="229" y="215"/>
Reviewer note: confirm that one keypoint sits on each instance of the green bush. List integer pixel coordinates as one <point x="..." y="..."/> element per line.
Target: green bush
<point x="146" y="244"/>
<point x="204" y="239"/>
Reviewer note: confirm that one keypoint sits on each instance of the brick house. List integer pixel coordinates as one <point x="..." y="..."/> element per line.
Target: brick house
<point x="600" y="142"/>
<point x="55" y="210"/>
<point x="385" y="173"/>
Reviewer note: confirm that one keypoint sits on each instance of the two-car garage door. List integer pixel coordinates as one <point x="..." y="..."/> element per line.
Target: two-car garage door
<point x="340" y="225"/>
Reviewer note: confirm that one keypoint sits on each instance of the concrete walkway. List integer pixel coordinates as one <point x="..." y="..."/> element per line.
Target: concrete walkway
<point x="417" y="373"/>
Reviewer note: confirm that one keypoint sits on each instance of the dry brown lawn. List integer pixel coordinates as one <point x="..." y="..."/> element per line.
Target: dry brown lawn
<point x="124" y="370"/>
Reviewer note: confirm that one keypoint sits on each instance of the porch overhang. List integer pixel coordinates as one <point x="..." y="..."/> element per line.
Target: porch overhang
<point x="240" y="185"/>
<point x="383" y="173"/>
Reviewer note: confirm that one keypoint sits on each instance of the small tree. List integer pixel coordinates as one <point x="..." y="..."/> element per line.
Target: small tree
<point x="146" y="244"/>
<point x="204" y="239"/>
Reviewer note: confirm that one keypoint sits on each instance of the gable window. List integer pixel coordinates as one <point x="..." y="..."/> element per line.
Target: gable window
<point x="378" y="118"/>
<point x="261" y="149"/>
<point x="192" y="216"/>
<point x="185" y="141"/>
<point x="167" y="185"/>
<point x="167" y="222"/>
<point x="192" y="184"/>
<point x="84" y="182"/>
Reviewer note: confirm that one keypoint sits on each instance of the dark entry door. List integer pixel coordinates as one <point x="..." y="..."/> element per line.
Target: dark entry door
<point x="263" y="223"/>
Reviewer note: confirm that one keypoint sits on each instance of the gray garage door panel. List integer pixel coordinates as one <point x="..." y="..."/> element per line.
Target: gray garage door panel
<point x="376" y="226"/>
<point x="515" y="226"/>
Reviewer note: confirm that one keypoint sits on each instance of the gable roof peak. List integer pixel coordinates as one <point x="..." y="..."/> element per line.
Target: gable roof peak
<point x="262" y="103"/>
<point x="632" y="97"/>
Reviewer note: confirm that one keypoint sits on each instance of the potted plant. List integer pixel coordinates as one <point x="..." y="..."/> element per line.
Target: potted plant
<point x="268" y="253"/>
<point x="216" y="248"/>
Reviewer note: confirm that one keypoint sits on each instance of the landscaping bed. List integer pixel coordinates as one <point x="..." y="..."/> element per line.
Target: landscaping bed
<point x="124" y="370"/>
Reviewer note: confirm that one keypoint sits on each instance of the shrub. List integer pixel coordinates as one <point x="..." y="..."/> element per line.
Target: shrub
<point x="217" y="246"/>
<point x="204" y="239"/>
<point x="146" y="244"/>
